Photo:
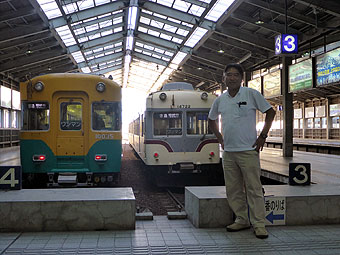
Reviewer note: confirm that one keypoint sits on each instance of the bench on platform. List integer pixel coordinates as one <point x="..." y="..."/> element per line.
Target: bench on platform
<point x="207" y="207"/>
<point x="69" y="209"/>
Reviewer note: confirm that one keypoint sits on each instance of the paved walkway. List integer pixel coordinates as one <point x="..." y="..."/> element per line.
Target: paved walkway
<point x="163" y="236"/>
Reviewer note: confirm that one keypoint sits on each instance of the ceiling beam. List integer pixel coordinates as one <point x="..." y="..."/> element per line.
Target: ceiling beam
<point x="272" y="26"/>
<point x="89" y="13"/>
<point x="271" y="7"/>
<point x="11" y="34"/>
<point x="327" y="6"/>
<point x="245" y="37"/>
<point x="149" y="59"/>
<point x="17" y="14"/>
<point x="32" y="60"/>
<point x="22" y="51"/>
<point x="176" y="14"/>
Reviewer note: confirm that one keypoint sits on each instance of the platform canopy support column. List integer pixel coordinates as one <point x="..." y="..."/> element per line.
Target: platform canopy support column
<point x="287" y="146"/>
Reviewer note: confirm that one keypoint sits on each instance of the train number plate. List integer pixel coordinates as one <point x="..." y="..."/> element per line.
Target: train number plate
<point x="10" y="177"/>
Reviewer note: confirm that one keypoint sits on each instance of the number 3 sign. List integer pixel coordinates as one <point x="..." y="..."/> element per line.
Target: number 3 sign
<point x="10" y="177"/>
<point x="299" y="174"/>
<point x="286" y="44"/>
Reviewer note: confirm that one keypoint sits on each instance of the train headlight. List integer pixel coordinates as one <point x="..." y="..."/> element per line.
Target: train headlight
<point x="204" y="96"/>
<point x="162" y="96"/>
<point x="39" y="86"/>
<point x="100" y="87"/>
<point x="39" y="158"/>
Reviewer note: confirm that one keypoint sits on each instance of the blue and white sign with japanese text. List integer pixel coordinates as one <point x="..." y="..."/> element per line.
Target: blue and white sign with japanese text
<point x="275" y="210"/>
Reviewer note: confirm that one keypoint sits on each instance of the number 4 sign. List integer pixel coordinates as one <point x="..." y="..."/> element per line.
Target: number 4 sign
<point x="286" y="44"/>
<point x="10" y="177"/>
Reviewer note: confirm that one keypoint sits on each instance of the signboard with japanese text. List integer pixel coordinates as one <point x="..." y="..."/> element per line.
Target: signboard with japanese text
<point x="255" y="84"/>
<point x="272" y="84"/>
<point x="328" y="68"/>
<point x="298" y="113"/>
<point x="275" y="210"/>
<point x="320" y="111"/>
<point x="334" y="110"/>
<point x="300" y="76"/>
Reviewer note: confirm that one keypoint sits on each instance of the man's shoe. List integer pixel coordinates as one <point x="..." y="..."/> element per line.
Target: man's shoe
<point x="237" y="227"/>
<point x="261" y="232"/>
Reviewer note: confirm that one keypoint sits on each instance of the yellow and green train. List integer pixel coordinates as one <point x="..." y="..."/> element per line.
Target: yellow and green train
<point x="71" y="130"/>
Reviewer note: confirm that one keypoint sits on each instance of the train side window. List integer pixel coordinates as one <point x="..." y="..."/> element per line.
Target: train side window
<point x="35" y="116"/>
<point x="106" y="116"/>
<point x="167" y="123"/>
<point x="197" y="123"/>
<point x="70" y="116"/>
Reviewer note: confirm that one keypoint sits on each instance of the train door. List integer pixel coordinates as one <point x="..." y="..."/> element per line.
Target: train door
<point x="72" y="130"/>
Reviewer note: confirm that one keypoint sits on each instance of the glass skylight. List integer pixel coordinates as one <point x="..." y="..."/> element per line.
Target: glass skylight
<point x="195" y="37"/>
<point x="50" y="8"/>
<point x="218" y="9"/>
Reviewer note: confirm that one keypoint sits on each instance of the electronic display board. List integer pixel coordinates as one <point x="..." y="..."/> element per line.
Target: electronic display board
<point x="272" y="84"/>
<point x="300" y="76"/>
<point x="328" y="68"/>
<point x="255" y="84"/>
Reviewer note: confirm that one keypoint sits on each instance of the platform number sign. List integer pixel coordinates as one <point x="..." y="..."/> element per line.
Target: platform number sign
<point x="286" y="44"/>
<point x="299" y="174"/>
<point x="275" y="210"/>
<point x="10" y="177"/>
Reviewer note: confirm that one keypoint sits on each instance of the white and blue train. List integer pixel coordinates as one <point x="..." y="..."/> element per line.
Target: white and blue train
<point x="172" y="136"/>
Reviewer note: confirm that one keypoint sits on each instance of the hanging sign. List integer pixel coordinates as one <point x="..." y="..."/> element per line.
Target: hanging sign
<point x="286" y="44"/>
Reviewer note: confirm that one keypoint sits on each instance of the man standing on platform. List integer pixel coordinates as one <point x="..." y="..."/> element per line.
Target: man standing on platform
<point x="241" y="162"/>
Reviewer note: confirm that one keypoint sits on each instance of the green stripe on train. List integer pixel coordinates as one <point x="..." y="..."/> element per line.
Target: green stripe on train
<point x="112" y="148"/>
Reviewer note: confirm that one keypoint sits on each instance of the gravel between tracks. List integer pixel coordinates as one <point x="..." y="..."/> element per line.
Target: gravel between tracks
<point x="133" y="174"/>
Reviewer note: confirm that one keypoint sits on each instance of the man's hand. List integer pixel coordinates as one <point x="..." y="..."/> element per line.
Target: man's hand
<point x="259" y="143"/>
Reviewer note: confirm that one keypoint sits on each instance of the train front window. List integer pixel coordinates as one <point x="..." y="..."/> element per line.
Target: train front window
<point x="167" y="123"/>
<point x="197" y="123"/>
<point x="106" y="116"/>
<point x="71" y="116"/>
<point x="35" y="116"/>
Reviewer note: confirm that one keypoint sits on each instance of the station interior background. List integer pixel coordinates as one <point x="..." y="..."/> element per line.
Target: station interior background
<point x="145" y="44"/>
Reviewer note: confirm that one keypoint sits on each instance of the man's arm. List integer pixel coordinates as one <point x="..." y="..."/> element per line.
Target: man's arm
<point x="214" y="128"/>
<point x="270" y="114"/>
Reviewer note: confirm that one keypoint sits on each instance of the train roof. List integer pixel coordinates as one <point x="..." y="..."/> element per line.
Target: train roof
<point x="178" y="86"/>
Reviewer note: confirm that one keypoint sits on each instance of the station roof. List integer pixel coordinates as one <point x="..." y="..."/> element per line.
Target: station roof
<point x="143" y="44"/>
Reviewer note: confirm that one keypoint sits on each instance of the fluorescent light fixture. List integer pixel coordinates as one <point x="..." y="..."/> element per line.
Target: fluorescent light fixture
<point x="195" y="37"/>
<point x="218" y="9"/>
<point x="129" y="42"/>
<point x="132" y="17"/>
<point x="179" y="57"/>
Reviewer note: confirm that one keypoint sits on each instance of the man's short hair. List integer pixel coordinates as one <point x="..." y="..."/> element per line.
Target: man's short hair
<point x="238" y="67"/>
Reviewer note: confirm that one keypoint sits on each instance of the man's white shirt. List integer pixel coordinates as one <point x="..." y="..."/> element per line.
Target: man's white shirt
<point x="239" y="117"/>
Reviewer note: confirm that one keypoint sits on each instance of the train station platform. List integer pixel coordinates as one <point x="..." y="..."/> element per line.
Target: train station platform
<point x="163" y="236"/>
<point x="325" y="168"/>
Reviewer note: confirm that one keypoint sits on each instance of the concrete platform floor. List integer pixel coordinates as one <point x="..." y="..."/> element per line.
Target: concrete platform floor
<point x="163" y="236"/>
